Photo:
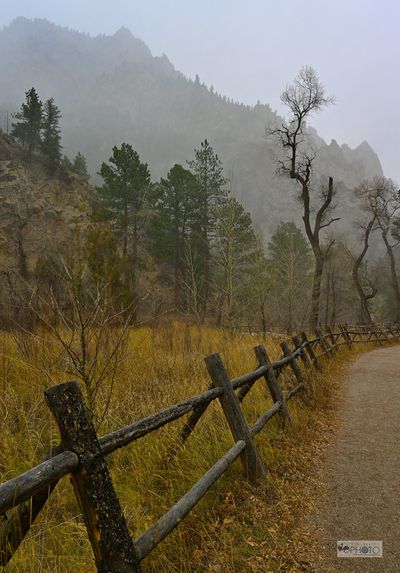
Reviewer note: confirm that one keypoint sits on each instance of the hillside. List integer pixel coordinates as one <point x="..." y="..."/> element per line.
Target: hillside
<point x="122" y="93"/>
<point x="37" y="212"/>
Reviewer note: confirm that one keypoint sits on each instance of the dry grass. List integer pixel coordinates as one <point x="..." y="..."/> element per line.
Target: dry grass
<point x="235" y="528"/>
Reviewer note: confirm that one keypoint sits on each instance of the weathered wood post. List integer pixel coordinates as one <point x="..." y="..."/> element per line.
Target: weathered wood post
<point x="390" y="331"/>
<point x="298" y="344"/>
<point x="347" y="336"/>
<point x="243" y="391"/>
<point x="251" y="461"/>
<point x="325" y="349"/>
<point x="108" y="534"/>
<point x="342" y="334"/>
<point x="20" y="519"/>
<point x="273" y="385"/>
<point x="332" y="337"/>
<point x="310" y="351"/>
<point x="194" y="417"/>
<point x="293" y="364"/>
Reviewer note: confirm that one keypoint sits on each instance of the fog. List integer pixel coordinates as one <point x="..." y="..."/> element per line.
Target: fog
<point x="250" y="50"/>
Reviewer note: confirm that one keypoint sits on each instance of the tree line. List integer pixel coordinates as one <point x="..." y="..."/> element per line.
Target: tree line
<point x="37" y="129"/>
<point x="200" y="239"/>
<point x="185" y="244"/>
<point x="379" y="205"/>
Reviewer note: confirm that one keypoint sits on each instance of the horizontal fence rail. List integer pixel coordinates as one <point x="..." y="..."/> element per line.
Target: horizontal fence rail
<point x="82" y="453"/>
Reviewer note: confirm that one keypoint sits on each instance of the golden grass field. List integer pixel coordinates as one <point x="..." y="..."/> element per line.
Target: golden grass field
<point x="236" y="528"/>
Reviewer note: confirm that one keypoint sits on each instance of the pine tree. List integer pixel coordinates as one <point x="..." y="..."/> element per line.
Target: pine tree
<point x="208" y="170"/>
<point x="51" y="138"/>
<point x="290" y="264"/>
<point x="235" y="245"/>
<point x="66" y="163"/>
<point x="122" y="200"/>
<point x="27" y="129"/>
<point x="175" y="199"/>
<point x="79" y="165"/>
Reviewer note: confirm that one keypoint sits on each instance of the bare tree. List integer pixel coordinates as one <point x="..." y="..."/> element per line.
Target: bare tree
<point x="259" y="281"/>
<point x="85" y="321"/>
<point x="304" y="97"/>
<point x="381" y="199"/>
<point x="190" y="278"/>
<point x="361" y="280"/>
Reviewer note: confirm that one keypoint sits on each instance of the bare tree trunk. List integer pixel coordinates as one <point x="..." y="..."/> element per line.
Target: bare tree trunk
<point x="313" y="235"/>
<point x="395" y="281"/>
<point x="365" y="314"/>
<point x="333" y="315"/>
<point x="206" y="278"/>
<point x="316" y="290"/>
<point x="327" y="300"/>
<point x="22" y="262"/>
<point x="263" y="320"/>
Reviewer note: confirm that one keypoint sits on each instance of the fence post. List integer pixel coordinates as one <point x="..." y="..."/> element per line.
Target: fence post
<point x="332" y="337"/>
<point x="348" y="336"/>
<point x="322" y="343"/>
<point x="108" y="534"/>
<point x="272" y="384"/>
<point x="194" y="417"/>
<point x="327" y="341"/>
<point x="252" y="463"/>
<point x="293" y="364"/>
<point x="310" y="351"/>
<point x="345" y="336"/>
<point x="385" y="332"/>
<point x="298" y="344"/>
<point x="20" y="519"/>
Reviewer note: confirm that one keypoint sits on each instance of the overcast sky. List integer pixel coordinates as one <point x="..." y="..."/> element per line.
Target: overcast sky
<point x="249" y="50"/>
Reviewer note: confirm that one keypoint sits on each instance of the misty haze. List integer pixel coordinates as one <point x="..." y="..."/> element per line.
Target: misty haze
<point x="200" y="230"/>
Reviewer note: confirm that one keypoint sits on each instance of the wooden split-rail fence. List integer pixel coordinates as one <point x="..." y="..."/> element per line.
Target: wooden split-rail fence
<point x="82" y="453"/>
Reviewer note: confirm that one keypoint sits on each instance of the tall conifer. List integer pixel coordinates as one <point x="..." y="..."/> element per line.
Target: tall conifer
<point x="29" y="122"/>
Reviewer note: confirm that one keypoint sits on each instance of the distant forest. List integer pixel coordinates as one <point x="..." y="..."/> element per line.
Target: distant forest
<point x="185" y="246"/>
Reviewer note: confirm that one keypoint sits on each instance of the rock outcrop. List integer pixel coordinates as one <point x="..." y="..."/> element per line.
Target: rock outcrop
<point x="38" y="212"/>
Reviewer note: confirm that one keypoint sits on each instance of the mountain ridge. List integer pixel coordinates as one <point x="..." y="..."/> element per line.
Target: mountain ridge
<point x="112" y="89"/>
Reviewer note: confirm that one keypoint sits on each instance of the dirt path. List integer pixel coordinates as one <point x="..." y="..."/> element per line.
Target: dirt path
<point x="362" y="500"/>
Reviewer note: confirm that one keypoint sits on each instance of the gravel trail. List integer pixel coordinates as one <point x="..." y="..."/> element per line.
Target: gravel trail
<point x="362" y="479"/>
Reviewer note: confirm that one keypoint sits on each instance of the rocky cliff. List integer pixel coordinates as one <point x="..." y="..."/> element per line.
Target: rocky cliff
<point x="38" y="212"/>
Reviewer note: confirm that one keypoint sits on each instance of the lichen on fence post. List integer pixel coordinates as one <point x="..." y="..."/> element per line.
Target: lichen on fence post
<point x="108" y="533"/>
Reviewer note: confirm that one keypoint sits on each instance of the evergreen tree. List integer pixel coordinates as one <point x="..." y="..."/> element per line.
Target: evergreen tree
<point x="290" y="265"/>
<point x="79" y="165"/>
<point x="208" y="170"/>
<point x="235" y="246"/>
<point x="27" y="129"/>
<point x="122" y="201"/>
<point x="174" y="211"/>
<point x="66" y="163"/>
<point x="51" y="138"/>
